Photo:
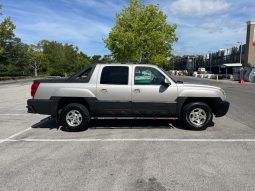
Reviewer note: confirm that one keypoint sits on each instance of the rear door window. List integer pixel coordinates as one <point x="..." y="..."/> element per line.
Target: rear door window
<point x="115" y="75"/>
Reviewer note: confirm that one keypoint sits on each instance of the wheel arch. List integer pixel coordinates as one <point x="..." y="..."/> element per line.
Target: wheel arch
<point x="210" y="101"/>
<point x="63" y="101"/>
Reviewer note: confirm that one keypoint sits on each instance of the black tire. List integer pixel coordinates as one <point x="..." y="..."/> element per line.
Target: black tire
<point x="76" y="114"/>
<point x="197" y="116"/>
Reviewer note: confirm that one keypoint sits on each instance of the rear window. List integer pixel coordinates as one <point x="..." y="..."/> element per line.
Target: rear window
<point x="117" y="75"/>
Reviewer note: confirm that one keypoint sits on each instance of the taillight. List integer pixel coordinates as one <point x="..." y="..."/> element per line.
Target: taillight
<point x="34" y="87"/>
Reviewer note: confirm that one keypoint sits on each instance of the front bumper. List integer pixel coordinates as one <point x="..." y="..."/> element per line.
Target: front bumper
<point x="40" y="106"/>
<point x="222" y="109"/>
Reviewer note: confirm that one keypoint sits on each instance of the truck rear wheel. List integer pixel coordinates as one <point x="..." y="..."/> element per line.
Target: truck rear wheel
<point x="75" y="117"/>
<point x="197" y="116"/>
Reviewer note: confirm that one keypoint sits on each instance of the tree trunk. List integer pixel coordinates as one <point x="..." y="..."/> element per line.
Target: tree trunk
<point x="35" y="69"/>
<point x="140" y="59"/>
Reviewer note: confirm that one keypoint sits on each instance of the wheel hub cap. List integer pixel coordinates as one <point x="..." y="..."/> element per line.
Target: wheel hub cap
<point x="73" y="118"/>
<point x="198" y="116"/>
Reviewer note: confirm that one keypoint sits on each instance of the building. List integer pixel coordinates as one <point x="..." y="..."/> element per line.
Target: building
<point x="244" y="54"/>
<point x="189" y="62"/>
<point x="250" y="43"/>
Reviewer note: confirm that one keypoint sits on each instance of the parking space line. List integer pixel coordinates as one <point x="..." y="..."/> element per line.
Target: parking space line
<point x="10" y="138"/>
<point x="132" y="140"/>
<point x="6" y="114"/>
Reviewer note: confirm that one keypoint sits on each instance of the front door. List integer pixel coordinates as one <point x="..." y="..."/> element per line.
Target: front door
<point x="150" y="96"/>
<point x="114" y="91"/>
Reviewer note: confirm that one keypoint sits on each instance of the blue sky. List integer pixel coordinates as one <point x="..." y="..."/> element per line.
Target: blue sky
<point x="203" y="25"/>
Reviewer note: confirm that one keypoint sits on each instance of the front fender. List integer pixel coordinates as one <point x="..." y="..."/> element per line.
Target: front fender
<point x="199" y="93"/>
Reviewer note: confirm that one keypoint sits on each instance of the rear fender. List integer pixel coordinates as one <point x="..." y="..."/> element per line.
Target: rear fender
<point x="73" y="92"/>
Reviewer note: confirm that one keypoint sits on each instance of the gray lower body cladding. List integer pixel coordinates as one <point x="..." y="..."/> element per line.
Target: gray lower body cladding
<point x="108" y="108"/>
<point x="154" y="109"/>
<point x="135" y="109"/>
<point x="222" y="108"/>
<point x="124" y="109"/>
<point x="47" y="107"/>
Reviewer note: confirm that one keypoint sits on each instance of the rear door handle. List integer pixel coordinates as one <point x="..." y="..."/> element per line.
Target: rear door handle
<point x="103" y="90"/>
<point x="137" y="90"/>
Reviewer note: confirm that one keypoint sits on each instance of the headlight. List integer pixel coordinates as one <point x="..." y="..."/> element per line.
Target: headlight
<point x="224" y="93"/>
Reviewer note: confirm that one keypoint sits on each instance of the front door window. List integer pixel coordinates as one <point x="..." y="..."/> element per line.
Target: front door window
<point x="148" y="76"/>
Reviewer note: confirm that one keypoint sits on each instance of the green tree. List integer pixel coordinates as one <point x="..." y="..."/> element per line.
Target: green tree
<point x="55" y="54"/>
<point x="1" y="48"/>
<point x="54" y="58"/>
<point x="141" y="34"/>
<point x="62" y="59"/>
<point x="6" y="35"/>
<point x="107" y="58"/>
<point x="36" y="57"/>
<point x="82" y="61"/>
<point x="96" y="59"/>
<point x="12" y="51"/>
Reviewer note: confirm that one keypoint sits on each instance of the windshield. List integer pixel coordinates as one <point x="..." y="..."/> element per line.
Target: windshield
<point x="169" y="75"/>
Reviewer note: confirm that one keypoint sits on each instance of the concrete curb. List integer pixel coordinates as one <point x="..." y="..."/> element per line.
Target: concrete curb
<point x="7" y="82"/>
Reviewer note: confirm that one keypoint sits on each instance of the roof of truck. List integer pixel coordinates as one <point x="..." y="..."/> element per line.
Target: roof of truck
<point x="126" y="63"/>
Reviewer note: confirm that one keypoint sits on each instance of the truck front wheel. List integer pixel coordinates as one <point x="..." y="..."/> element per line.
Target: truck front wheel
<point x="197" y="116"/>
<point x="75" y="117"/>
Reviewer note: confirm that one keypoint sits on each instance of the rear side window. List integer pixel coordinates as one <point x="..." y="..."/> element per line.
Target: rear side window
<point x="114" y="75"/>
<point x="85" y="74"/>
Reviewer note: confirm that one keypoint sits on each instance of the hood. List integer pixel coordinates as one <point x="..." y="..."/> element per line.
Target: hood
<point x="199" y="90"/>
<point x="199" y="86"/>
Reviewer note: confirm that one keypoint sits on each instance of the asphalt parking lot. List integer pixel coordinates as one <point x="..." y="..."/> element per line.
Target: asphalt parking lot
<point x="127" y="155"/>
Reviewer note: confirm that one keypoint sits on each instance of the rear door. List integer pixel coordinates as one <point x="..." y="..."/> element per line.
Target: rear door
<point x="114" y="91"/>
<point x="150" y="96"/>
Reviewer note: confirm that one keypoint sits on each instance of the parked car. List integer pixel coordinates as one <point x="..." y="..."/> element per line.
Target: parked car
<point x="125" y="91"/>
<point x="249" y="74"/>
<point x="201" y="71"/>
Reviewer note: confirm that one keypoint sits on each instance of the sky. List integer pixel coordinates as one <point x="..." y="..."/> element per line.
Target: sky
<point x="202" y="25"/>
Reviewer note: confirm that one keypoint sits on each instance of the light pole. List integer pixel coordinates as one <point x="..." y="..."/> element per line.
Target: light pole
<point x="240" y="51"/>
<point x="210" y="61"/>
<point x="193" y="63"/>
<point x="241" y="70"/>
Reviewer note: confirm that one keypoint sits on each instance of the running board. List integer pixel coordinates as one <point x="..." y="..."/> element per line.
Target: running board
<point x="154" y="118"/>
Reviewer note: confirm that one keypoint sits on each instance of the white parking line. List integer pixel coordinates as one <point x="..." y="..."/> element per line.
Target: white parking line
<point x="7" y="114"/>
<point x="131" y="140"/>
<point x="10" y="138"/>
<point x="19" y="133"/>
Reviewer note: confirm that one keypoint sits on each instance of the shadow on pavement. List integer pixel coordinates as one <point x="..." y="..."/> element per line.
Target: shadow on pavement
<point x="118" y="124"/>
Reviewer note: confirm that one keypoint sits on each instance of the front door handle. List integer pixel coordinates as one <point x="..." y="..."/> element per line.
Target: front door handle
<point x="103" y="90"/>
<point x="137" y="90"/>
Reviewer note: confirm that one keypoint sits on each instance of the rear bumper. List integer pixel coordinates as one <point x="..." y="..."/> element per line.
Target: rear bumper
<point x="47" y="107"/>
<point x="222" y="109"/>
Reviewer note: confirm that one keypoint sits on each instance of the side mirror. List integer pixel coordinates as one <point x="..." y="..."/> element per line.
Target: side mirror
<point x="167" y="82"/>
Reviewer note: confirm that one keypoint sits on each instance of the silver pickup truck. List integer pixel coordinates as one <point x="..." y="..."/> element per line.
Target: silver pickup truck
<point x="125" y="91"/>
